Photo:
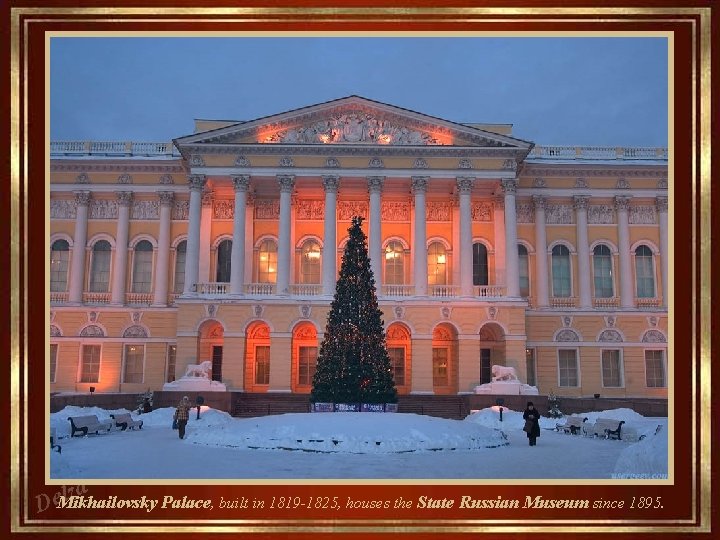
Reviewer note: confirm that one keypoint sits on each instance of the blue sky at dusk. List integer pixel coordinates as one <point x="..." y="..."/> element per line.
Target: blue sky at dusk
<point x="564" y="91"/>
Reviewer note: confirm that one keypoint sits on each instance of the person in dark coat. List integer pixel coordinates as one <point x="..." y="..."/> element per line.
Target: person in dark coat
<point x="147" y="407"/>
<point x="532" y="414"/>
<point x="182" y="414"/>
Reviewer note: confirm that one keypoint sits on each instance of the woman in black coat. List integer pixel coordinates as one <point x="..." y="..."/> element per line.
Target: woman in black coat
<point x="532" y="414"/>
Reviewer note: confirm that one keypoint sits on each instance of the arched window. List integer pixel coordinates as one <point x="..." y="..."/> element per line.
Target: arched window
<point x="561" y="271"/>
<point x="100" y="266"/>
<point x="394" y="263"/>
<point x="523" y="271"/>
<point x="480" y="264"/>
<point x="310" y="262"/>
<point x="437" y="264"/>
<point x="267" y="262"/>
<point x="224" y="250"/>
<point x="644" y="274"/>
<point x="142" y="267"/>
<point x="180" y="254"/>
<point x="59" y="259"/>
<point x="602" y="269"/>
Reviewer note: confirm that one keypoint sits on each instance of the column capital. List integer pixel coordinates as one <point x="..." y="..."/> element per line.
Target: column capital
<point x="331" y="183"/>
<point x="539" y="202"/>
<point x="166" y="197"/>
<point x="375" y="184"/>
<point x="509" y="185"/>
<point x="82" y="198"/>
<point x="124" y="198"/>
<point x="241" y="182"/>
<point x="622" y="202"/>
<point x="465" y="183"/>
<point x="419" y="183"/>
<point x="662" y="204"/>
<point x="208" y="197"/>
<point x="286" y="182"/>
<point x="197" y="182"/>
<point x="499" y="202"/>
<point x="580" y="202"/>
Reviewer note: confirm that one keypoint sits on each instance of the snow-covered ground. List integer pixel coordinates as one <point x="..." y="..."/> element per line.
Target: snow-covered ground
<point x="353" y="445"/>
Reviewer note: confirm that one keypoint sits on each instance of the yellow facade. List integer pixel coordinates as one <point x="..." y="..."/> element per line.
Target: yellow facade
<point x="600" y="327"/>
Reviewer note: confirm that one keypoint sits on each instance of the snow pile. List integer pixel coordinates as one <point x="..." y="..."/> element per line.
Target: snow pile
<point x="60" y="422"/>
<point x="512" y="420"/>
<point x="355" y="433"/>
<point x="645" y="459"/>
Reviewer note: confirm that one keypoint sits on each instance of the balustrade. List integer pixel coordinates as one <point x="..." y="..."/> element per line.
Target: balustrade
<point x="604" y="303"/>
<point x="489" y="290"/>
<point x="303" y="289"/>
<point x="96" y="298"/>
<point x="398" y="290"/>
<point x="444" y="291"/>
<point x="563" y="302"/>
<point x="260" y="288"/>
<point x="647" y="303"/>
<point x="211" y="288"/>
<point x="58" y="297"/>
<point x="139" y="298"/>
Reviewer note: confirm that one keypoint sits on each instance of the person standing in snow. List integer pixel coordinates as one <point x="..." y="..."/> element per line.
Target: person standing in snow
<point x="182" y="413"/>
<point x="532" y="423"/>
<point x="146" y="407"/>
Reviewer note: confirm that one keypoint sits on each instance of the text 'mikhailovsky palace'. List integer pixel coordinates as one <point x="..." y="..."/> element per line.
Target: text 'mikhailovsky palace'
<point x="225" y="245"/>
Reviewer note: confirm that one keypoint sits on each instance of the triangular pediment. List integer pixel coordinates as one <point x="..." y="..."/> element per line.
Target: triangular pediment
<point x="353" y="121"/>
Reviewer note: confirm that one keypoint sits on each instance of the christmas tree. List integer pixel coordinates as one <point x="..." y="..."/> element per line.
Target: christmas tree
<point x="353" y="365"/>
<point x="554" y="406"/>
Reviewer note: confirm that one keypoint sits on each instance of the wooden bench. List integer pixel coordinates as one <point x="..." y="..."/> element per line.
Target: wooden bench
<point x="607" y="428"/>
<point x="125" y="421"/>
<point x="657" y="430"/>
<point x="87" y="424"/>
<point x="53" y="441"/>
<point x="572" y="425"/>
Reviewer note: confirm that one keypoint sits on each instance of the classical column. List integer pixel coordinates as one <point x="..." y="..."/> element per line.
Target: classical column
<point x="580" y="202"/>
<point x="375" y="187"/>
<point x="662" y="208"/>
<point x="192" y="260"/>
<point x="250" y="235"/>
<point x="626" y="278"/>
<point x="541" y="262"/>
<point x="499" y="231"/>
<point x="237" y="255"/>
<point x="163" y="252"/>
<point x="512" y="262"/>
<point x="419" y="186"/>
<point x="206" y="217"/>
<point x="77" y="268"/>
<point x="329" y="258"/>
<point x="121" y="247"/>
<point x="287" y="183"/>
<point x="464" y="187"/>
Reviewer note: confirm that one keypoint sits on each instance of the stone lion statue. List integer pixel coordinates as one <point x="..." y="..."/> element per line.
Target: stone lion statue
<point x="503" y="373"/>
<point x="202" y="370"/>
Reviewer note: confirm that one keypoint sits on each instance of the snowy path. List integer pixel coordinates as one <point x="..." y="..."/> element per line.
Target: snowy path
<point x="156" y="452"/>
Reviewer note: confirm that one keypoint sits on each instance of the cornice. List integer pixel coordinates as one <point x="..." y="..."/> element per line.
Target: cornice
<point x="86" y="166"/>
<point x="648" y="171"/>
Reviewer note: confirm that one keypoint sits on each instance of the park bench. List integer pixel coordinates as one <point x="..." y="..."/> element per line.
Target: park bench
<point x="87" y="424"/>
<point x="607" y="428"/>
<point x="125" y="421"/>
<point x="53" y="441"/>
<point x="572" y="425"/>
<point x="657" y="430"/>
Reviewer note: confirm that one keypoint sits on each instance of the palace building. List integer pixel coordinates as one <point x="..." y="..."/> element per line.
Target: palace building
<point x="224" y="246"/>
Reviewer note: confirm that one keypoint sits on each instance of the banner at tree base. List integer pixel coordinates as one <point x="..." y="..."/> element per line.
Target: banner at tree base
<point x="354" y="407"/>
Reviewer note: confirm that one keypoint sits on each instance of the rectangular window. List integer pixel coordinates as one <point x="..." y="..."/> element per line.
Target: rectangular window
<point x="654" y="369"/>
<point x="142" y="271"/>
<point x="602" y="267"/>
<point x="100" y="271"/>
<point x="397" y="364"/>
<point x="170" y="363"/>
<point x="611" y="369"/>
<point x="90" y="368"/>
<point x="530" y="366"/>
<point x="485" y="366"/>
<point x="440" y="366"/>
<point x="53" y="361"/>
<point x="307" y="363"/>
<point x="262" y="364"/>
<point x="179" y="285"/>
<point x="59" y="263"/>
<point x="567" y="359"/>
<point x="133" y="369"/>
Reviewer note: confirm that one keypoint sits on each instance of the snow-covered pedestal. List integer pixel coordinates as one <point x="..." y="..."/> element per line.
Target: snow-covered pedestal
<point x="505" y="381"/>
<point x="196" y="379"/>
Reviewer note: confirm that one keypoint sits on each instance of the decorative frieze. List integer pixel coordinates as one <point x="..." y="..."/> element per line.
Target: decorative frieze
<point x="481" y="211"/>
<point x="661" y="203"/>
<point x="197" y="161"/>
<point x="465" y="164"/>
<point x="559" y="214"/>
<point x="124" y="179"/>
<point x="92" y="330"/>
<point x="181" y="210"/>
<point x="308" y="210"/>
<point x="332" y="162"/>
<point x="622" y="183"/>
<point x="376" y="163"/>
<point x="286" y="161"/>
<point x="242" y="161"/>
<point x="167" y="179"/>
<point x="601" y="214"/>
<point x="63" y="209"/>
<point x="525" y="212"/>
<point x="510" y="165"/>
<point x="581" y="183"/>
<point x="395" y="211"/>
<point x="539" y="183"/>
<point x="267" y="209"/>
<point x="145" y="210"/>
<point x="653" y="336"/>
<point x="103" y="209"/>
<point x="82" y="178"/>
<point x="662" y="183"/>
<point x="642" y="215"/>
<point x="55" y="331"/>
<point x="223" y="209"/>
<point x="438" y="211"/>
<point x="349" y="209"/>
<point x="610" y="335"/>
<point x="135" y="331"/>
<point x="420" y="163"/>
<point x="567" y="335"/>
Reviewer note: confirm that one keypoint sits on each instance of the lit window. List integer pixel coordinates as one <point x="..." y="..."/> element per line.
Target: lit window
<point x="59" y="262"/>
<point x="440" y="366"/>
<point x="394" y="264"/>
<point x="133" y="369"/>
<point x="644" y="274"/>
<point x="100" y="267"/>
<point x="561" y="271"/>
<point x="267" y="262"/>
<point x="307" y="363"/>
<point x="437" y="264"/>
<point x="310" y="263"/>
<point x="90" y="368"/>
<point x="262" y="364"/>
<point x="397" y="364"/>
<point x="142" y="267"/>
<point x="602" y="268"/>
